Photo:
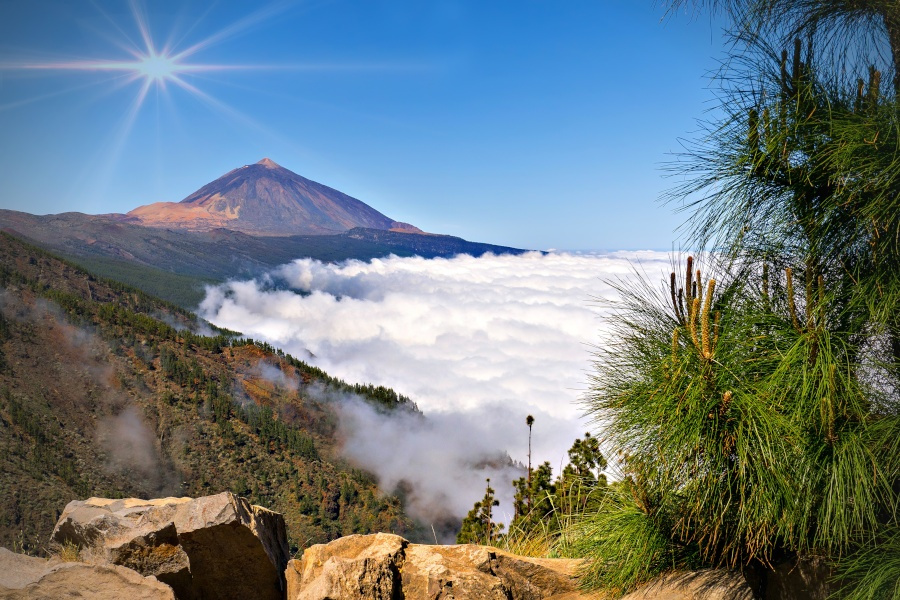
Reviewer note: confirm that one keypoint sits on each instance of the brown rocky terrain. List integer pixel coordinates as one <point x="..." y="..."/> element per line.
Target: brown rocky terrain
<point x="196" y="546"/>
<point x="384" y="567"/>
<point x="29" y="578"/>
<point x="224" y="548"/>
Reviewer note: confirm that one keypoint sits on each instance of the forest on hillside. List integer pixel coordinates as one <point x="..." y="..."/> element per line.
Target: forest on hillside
<point x="106" y="391"/>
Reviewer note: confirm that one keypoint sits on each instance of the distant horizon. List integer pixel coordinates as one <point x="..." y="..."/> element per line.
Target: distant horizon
<point x="576" y="251"/>
<point x="529" y="125"/>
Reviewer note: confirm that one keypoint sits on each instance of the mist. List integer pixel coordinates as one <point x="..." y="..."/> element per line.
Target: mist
<point x="131" y="449"/>
<point x="80" y="359"/>
<point x="477" y="343"/>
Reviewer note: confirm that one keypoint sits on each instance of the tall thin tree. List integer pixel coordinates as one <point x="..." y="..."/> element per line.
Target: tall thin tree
<point x="529" y="420"/>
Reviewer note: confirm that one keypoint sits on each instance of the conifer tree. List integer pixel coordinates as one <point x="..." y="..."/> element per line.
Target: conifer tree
<point x="542" y="497"/>
<point x="533" y="496"/>
<point x="529" y="420"/>
<point x="579" y="481"/>
<point x="479" y="527"/>
<point x="755" y="405"/>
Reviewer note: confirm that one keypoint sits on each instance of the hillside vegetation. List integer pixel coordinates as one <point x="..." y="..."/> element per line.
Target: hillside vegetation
<point x="106" y="391"/>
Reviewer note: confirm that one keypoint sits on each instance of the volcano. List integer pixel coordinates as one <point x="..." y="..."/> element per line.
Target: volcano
<point x="266" y="199"/>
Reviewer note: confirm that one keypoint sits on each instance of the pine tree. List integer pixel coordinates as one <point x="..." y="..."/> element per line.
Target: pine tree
<point x="578" y="483"/>
<point x="479" y="527"/>
<point x="529" y="420"/>
<point x="756" y="412"/>
<point x="542" y="499"/>
<point x="534" y="496"/>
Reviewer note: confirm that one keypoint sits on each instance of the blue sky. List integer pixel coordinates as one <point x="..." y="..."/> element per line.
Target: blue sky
<point x="528" y="123"/>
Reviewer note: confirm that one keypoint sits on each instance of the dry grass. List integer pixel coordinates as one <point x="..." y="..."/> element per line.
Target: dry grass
<point x="68" y="551"/>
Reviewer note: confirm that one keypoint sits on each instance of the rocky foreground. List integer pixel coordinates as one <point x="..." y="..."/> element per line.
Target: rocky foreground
<point x="222" y="547"/>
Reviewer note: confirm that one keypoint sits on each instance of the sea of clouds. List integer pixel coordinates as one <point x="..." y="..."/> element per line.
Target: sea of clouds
<point x="477" y="343"/>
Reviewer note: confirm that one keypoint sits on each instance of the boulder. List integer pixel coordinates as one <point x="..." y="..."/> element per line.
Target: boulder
<point x="384" y="566"/>
<point x="367" y="564"/>
<point x="197" y="546"/>
<point x="25" y="577"/>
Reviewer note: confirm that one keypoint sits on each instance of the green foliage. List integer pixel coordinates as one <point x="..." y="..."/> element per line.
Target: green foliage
<point x="585" y="458"/>
<point x="628" y="542"/>
<point x="380" y="395"/>
<point x="872" y="573"/>
<point x="270" y="430"/>
<point x="185" y="374"/>
<point x="755" y="419"/>
<point x="182" y="290"/>
<point x="534" y="497"/>
<point x="36" y="439"/>
<point x="546" y="509"/>
<point x="479" y="527"/>
<point x="277" y="449"/>
<point x="747" y="436"/>
<point x="844" y="34"/>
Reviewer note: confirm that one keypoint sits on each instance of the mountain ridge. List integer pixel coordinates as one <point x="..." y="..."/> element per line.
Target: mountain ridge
<point x="265" y="199"/>
<point x="231" y="233"/>
<point x="176" y="264"/>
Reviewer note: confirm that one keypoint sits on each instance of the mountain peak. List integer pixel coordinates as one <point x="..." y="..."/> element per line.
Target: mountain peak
<point x="264" y="199"/>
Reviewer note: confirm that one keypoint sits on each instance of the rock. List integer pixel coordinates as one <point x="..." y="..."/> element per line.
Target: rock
<point x="212" y="547"/>
<point x="384" y="567"/>
<point x="156" y="553"/>
<point x="367" y="564"/>
<point x="462" y="571"/>
<point x="25" y="577"/>
<point x="716" y="584"/>
<point x="530" y="577"/>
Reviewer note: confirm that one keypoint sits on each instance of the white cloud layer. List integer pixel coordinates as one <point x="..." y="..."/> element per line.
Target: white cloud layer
<point x="477" y="343"/>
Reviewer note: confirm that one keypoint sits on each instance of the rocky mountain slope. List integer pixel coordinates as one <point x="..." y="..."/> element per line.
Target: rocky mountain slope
<point x="265" y="199"/>
<point x="106" y="391"/>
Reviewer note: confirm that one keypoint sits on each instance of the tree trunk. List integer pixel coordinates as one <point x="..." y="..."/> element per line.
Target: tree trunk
<point x="530" y="499"/>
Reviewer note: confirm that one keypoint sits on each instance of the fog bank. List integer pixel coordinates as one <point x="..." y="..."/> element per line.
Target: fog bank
<point x="477" y="343"/>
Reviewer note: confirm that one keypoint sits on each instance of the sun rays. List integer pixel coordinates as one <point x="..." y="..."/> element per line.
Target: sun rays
<point x="133" y="78"/>
<point x="150" y="66"/>
<point x="150" y="61"/>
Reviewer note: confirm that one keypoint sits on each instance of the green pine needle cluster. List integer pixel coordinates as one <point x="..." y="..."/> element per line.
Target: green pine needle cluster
<point x="760" y="446"/>
<point x="753" y="405"/>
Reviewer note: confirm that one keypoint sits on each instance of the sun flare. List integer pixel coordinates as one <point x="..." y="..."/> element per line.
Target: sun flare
<point x="157" y="67"/>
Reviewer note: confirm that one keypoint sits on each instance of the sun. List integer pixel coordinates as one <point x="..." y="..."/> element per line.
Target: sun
<point x="157" y="67"/>
<point x="157" y="71"/>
